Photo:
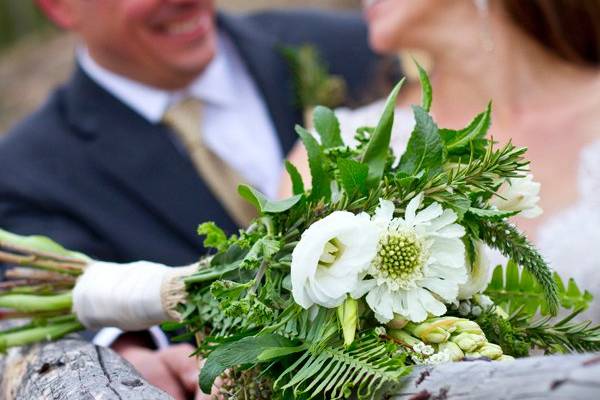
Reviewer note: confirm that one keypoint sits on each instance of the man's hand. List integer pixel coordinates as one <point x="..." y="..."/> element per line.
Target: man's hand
<point x="171" y="369"/>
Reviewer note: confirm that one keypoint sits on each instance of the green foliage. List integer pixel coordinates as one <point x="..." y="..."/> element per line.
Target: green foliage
<point x="353" y="176"/>
<point x="321" y="180"/>
<point x="517" y="290"/>
<point x="565" y="336"/>
<point x="490" y="214"/>
<point x="263" y="250"/>
<point x="215" y="238"/>
<point x="424" y="151"/>
<point x="328" y="127"/>
<point x="264" y="205"/>
<point x="376" y="153"/>
<point x="334" y="372"/>
<point x="472" y="138"/>
<point x="426" y="90"/>
<point x="499" y="330"/>
<point x="504" y="237"/>
<point x="296" y="178"/>
<point x="242" y="352"/>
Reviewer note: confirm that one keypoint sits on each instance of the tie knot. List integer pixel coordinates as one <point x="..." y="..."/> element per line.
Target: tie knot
<point x="185" y="111"/>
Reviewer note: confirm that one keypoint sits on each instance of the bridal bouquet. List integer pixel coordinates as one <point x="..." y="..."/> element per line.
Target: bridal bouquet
<point x="338" y="290"/>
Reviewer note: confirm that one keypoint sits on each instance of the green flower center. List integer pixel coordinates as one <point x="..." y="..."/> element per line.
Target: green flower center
<point x="399" y="258"/>
<point x="332" y="251"/>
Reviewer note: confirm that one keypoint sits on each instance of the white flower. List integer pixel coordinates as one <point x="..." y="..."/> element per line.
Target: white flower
<point x="419" y="265"/>
<point x="519" y="194"/>
<point x="331" y="257"/>
<point x="479" y="275"/>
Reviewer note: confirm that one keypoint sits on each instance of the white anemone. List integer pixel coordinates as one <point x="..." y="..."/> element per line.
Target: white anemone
<point x="519" y="194"/>
<point x="331" y="257"/>
<point x="419" y="265"/>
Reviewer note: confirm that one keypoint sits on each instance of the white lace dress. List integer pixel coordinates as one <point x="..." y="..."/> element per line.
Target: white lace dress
<point x="569" y="240"/>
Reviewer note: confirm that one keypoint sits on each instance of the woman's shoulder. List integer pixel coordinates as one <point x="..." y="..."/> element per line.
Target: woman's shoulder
<point x="368" y="115"/>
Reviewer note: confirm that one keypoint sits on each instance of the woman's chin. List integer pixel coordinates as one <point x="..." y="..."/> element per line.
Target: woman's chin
<point x="383" y="42"/>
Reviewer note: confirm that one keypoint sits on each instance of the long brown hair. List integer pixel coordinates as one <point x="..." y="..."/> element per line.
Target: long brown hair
<point x="569" y="28"/>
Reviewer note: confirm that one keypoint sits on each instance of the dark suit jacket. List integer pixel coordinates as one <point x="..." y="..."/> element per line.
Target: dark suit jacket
<point x="91" y="173"/>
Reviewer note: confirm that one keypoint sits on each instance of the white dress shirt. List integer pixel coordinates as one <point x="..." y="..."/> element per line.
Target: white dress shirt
<point x="235" y="123"/>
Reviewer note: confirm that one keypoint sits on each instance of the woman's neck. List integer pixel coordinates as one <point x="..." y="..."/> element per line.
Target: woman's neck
<point x="519" y="74"/>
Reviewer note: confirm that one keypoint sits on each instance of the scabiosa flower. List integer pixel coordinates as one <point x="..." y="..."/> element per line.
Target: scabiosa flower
<point x="420" y="262"/>
<point x="331" y="257"/>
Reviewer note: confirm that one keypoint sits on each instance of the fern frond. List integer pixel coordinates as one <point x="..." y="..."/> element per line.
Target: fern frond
<point x="507" y="239"/>
<point x="514" y="289"/>
<point x="333" y="372"/>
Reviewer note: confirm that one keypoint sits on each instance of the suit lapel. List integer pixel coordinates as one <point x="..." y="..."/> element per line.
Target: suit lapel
<point x="270" y="71"/>
<point x="141" y="159"/>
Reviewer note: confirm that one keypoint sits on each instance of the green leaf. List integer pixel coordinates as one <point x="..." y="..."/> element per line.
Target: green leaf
<point x="242" y="352"/>
<point x="215" y="237"/>
<point x="494" y="215"/>
<point x="321" y="188"/>
<point x="459" y="141"/>
<point x="264" y="205"/>
<point x="297" y="183"/>
<point x="353" y="176"/>
<point x="377" y="150"/>
<point x="278" y="352"/>
<point x="424" y="150"/>
<point x="264" y="248"/>
<point x="328" y="127"/>
<point x="426" y="91"/>
<point x="38" y="243"/>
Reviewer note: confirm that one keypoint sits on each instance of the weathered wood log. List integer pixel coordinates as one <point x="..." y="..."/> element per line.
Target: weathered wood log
<point x="71" y="369"/>
<point x="553" y="377"/>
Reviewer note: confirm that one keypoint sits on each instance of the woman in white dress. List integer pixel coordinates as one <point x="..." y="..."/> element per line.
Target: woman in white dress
<point x="539" y="61"/>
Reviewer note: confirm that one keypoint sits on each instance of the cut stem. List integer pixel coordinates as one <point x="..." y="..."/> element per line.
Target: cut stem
<point x="35" y="261"/>
<point x="34" y="303"/>
<point x="38" y="334"/>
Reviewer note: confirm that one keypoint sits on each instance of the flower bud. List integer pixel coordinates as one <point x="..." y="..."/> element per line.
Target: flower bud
<point x="490" y="350"/>
<point x="398" y="322"/>
<point x="405" y="337"/>
<point x="452" y="349"/>
<point x="505" y="357"/>
<point x="468" y="342"/>
<point x="348" y="315"/>
<point x="436" y="330"/>
<point x="468" y="326"/>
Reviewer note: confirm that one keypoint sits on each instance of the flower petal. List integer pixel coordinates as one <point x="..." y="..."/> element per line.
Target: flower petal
<point x="430" y="303"/>
<point x="446" y="289"/>
<point x="433" y="211"/>
<point x="416" y="312"/>
<point x="411" y="208"/>
<point x="384" y="213"/>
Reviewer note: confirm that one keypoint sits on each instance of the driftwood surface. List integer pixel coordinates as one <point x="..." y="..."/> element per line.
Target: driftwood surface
<point x="567" y="377"/>
<point x="72" y="369"/>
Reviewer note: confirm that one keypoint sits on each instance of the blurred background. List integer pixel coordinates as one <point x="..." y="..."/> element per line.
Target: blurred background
<point x="34" y="56"/>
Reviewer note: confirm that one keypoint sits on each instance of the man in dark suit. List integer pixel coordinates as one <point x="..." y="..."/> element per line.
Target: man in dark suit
<point x="100" y="168"/>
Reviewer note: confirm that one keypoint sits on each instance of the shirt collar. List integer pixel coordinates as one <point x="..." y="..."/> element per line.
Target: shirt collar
<point x="214" y="85"/>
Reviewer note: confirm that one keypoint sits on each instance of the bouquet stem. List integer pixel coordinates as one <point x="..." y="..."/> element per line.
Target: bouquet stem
<point x="33" y="303"/>
<point x="54" y="328"/>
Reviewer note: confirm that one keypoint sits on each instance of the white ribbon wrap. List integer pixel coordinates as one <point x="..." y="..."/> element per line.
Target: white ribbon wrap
<point x="128" y="296"/>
